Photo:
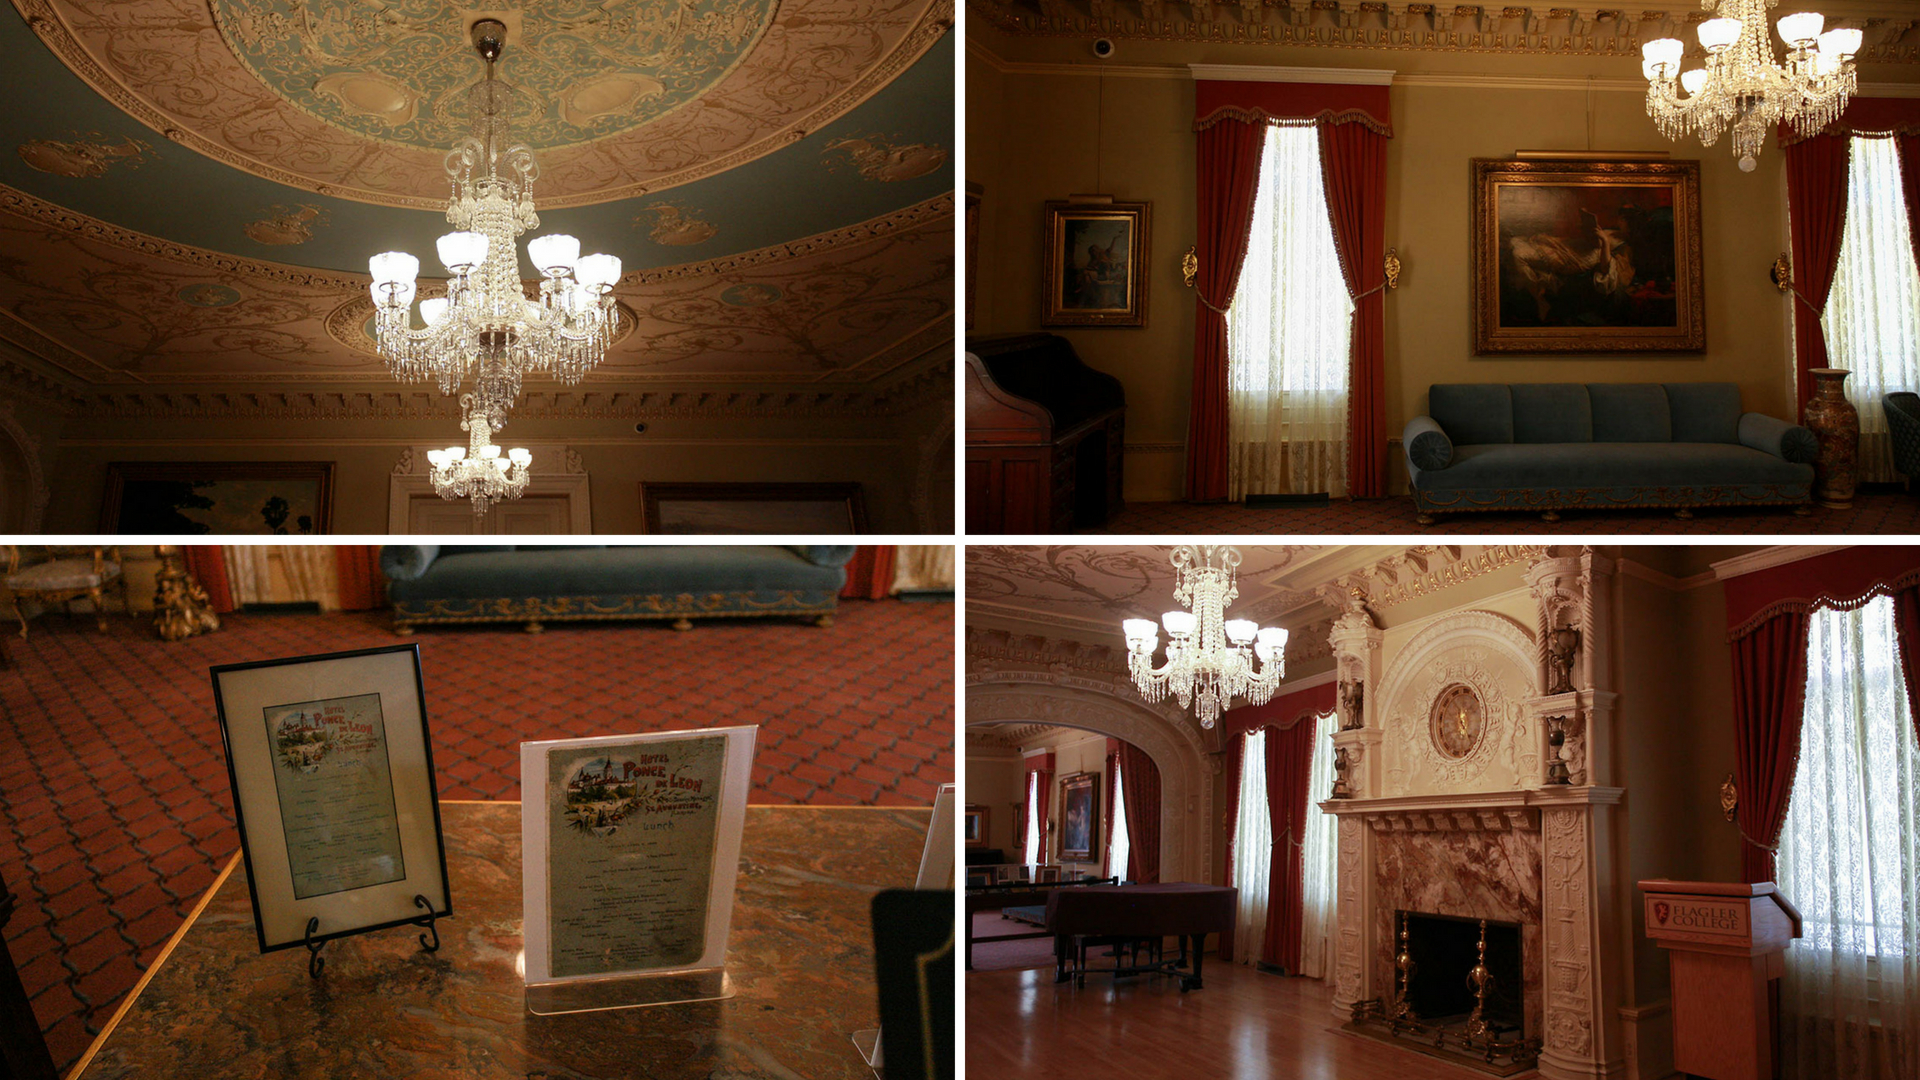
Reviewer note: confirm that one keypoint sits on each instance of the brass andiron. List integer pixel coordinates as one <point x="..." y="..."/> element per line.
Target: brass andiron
<point x="1479" y="978"/>
<point x="1399" y="1013"/>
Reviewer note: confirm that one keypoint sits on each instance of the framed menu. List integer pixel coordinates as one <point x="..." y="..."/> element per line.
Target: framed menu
<point x="333" y="791"/>
<point x="630" y="849"/>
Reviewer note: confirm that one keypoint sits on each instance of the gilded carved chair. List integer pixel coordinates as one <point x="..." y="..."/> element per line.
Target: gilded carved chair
<point x="71" y="574"/>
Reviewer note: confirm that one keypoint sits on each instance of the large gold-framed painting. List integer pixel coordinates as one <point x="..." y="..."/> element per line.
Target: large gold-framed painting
<point x="1096" y="264"/>
<point x="1585" y="256"/>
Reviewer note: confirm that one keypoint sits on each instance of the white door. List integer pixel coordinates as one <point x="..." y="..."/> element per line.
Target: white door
<point x="531" y="515"/>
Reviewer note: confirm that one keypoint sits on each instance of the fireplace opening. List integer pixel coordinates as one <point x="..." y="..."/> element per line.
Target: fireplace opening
<point x="1444" y="950"/>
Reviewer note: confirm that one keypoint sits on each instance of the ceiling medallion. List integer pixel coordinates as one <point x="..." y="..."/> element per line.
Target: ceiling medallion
<point x="1209" y="662"/>
<point x="486" y="324"/>
<point x="1457" y="722"/>
<point x="1743" y="86"/>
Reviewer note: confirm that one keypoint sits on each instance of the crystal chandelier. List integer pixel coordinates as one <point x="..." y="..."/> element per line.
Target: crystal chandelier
<point x="486" y="325"/>
<point x="1208" y="659"/>
<point x="1742" y="86"/>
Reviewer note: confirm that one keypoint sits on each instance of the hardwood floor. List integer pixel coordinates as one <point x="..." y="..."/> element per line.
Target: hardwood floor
<point x="1243" y="1026"/>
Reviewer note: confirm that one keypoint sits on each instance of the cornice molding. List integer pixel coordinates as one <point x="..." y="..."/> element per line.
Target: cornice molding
<point x="1642" y="572"/>
<point x="1580" y="30"/>
<point x="1767" y="558"/>
<point x="1269" y="74"/>
<point x="1423" y="571"/>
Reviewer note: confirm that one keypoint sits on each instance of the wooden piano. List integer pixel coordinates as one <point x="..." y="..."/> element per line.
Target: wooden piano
<point x="1134" y="912"/>
<point x="1045" y="437"/>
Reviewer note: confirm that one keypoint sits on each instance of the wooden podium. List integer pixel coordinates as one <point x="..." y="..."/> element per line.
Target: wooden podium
<point x="1727" y="943"/>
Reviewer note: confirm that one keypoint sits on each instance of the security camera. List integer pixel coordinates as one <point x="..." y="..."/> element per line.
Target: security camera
<point x="639" y="429"/>
<point x="1103" y="48"/>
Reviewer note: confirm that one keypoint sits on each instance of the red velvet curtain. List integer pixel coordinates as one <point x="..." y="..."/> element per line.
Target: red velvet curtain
<point x="1817" y="211"/>
<point x="1143" y="813"/>
<point x="869" y="573"/>
<point x="1769" y="696"/>
<point x="1229" y="178"/>
<point x="1353" y="163"/>
<point x="1910" y="174"/>
<point x="1113" y="791"/>
<point x="362" y="586"/>
<point x="1289" y="767"/>
<point x="1906" y="624"/>
<point x="208" y="566"/>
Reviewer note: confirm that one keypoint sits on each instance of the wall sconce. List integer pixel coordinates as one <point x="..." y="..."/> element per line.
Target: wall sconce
<point x="1190" y="266"/>
<point x="1729" y="797"/>
<point x="1782" y="273"/>
<point x="1392" y="268"/>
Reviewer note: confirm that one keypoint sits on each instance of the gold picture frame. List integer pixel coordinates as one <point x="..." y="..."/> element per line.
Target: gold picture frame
<point x="1587" y="256"/>
<point x="1095" y="266"/>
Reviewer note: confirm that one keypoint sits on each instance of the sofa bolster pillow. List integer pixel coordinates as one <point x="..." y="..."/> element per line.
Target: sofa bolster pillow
<point x="1427" y="445"/>
<point x="824" y="554"/>
<point x="1790" y="442"/>
<point x="407" y="562"/>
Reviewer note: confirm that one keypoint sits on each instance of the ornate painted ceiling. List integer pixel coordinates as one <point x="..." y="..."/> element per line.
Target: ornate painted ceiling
<point x="195" y="186"/>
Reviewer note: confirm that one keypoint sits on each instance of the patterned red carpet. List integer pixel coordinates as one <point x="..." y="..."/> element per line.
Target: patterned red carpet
<point x="115" y="810"/>
<point x="1884" y="511"/>
<point x="1007" y="955"/>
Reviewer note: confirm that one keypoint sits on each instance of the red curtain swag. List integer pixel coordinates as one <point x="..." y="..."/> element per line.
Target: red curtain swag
<point x="1289" y="761"/>
<point x="1142" y="794"/>
<point x="208" y="566"/>
<point x="1231" y="119"/>
<point x="869" y="573"/>
<point x="362" y="586"/>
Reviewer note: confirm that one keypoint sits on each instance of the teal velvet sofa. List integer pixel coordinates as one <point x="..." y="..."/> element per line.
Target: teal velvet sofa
<point x="1548" y="447"/>
<point x="538" y="584"/>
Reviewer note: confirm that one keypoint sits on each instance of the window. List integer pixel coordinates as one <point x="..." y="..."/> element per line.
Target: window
<point x="1121" y="847"/>
<point x="1849" y="857"/>
<point x="1252" y="850"/>
<point x="1031" y="849"/>
<point x="1318" y="855"/>
<point x="1872" y="322"/>
<point x="1288" y="333"/>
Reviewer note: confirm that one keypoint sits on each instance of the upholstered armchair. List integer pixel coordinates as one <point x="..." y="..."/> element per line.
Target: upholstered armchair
<point x="71" y="574"/>
<point x="1903" y="426"/>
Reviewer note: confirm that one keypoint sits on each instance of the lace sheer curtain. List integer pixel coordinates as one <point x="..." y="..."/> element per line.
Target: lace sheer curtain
<point x="1849" y="858"/>
<point x="1872" y="323"/>
<point x="1252" y="851"/>
<point x="1121" y="847"/>
<point x="304" y="572"/>
<point x="1288" y="334"/>
<point x="1317" y="855"/>
<point x="1030" y="849"/>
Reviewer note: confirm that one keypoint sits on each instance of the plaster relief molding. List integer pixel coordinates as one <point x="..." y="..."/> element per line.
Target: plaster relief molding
<point x="1186" y="793"/>
<point x="1430" y="27"/>
<point x="1423" y="571"/>
<point x="995" y="650"/>
<point x="29" y="447"/>
<point x="1351" y="976"/>
<point x="1009" y="736"/>
<point x="1483" y="650"/>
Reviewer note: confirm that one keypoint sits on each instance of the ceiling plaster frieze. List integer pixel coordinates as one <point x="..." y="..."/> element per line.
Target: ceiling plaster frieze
<point x="1579" y="30"/>
<point x="787" y="88"/>
<point x="1423" y="571"/>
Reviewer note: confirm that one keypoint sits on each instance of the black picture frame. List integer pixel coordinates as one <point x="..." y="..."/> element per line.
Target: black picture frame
<point x="231" y="694"/>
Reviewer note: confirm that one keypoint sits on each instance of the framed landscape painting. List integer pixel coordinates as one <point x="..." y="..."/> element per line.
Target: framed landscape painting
<point x="1585" y="256"/>
<point x="261" y="498"/>
<point x="1096" y="264"/>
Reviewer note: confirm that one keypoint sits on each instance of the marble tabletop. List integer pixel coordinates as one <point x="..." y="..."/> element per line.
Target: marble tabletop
<point x="800" y="958"/>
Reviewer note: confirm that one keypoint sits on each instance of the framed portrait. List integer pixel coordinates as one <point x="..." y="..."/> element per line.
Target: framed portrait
<point x="974" y="831"/>
<point x="731" y="508"/>
<point x="630" y="849"/>
<point x="333" y="791"/>
<point x="1079" y="816"/>
<point x="1587" y="256"/>
<point x="1095" y="270"/>
<point x="247" y="498"/>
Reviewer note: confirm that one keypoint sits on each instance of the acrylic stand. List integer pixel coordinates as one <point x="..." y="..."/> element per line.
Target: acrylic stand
<point x="629" y="991"/>
<point x="317" y="963"/>
<point x="868" y="1043"/>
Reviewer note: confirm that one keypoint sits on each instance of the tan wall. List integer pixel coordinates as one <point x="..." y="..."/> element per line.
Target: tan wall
<point x="1032" y="138"/>
<point x="997" y="783"/>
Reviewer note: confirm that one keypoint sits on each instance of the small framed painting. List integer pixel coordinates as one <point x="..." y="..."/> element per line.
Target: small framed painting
<point x="333" y="790"/>
<point x="245" y="498"/>
<point x="1079" y="816"/>
<point x="1095" y="270"/>
<point x="975" y="829"/>
<point x="811" y="509"/>
<point x="1587" y="256"/>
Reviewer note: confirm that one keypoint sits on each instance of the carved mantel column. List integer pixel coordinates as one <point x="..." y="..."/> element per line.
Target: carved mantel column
<point x="1583" y="975"/>
<point x="1356" y="649"/>
<point x="1574" y="596"/>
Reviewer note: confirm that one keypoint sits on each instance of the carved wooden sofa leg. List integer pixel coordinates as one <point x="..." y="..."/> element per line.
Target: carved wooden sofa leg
<point x="1803" y="510"/>
<point x="1683" y="514"/>
<point x="535" y="626"/>
<point x="683" y="624"/>
<point x="823" y="620"/>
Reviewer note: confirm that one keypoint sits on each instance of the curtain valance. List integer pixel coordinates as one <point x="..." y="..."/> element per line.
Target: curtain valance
<point x="1842" y="579"/>
<point x="1866" y="116"/>
<point x="1217" y="101"/>
<point x="1282" y="713"/>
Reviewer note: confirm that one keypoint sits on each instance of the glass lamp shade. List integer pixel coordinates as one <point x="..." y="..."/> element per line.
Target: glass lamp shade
<point x="462" y="250"/>
<point x="1274" y="640"/>
<point x="1718" y="35"/>
<point x="433" y="310"/>
<point x="1241" y="631"/>
<point x="1826" y="66"/>
<point x="1692" y="81"/>
<point x="1664" y="53"/>
<point x="554" y="254"/>
<point x="1800" y="29"/>
<point x="520" y="455"/>
<point x="456" y="453"/>
<point x="489" y="451"/>
<point x="597" y="271"/>
<point x="393" y="267"/>
<point x="500" y="464"/>
<point x="436" y="458"/>
<point x="1842" y="44"/>
<point x="400" y="296"/>
<point x="1139" y="630"/>
<point x="1178" y="623"/>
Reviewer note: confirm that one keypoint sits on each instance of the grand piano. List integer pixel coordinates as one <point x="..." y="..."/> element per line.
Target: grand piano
<point x="1150" y="912"/>
<point x="1044" y="437"/>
